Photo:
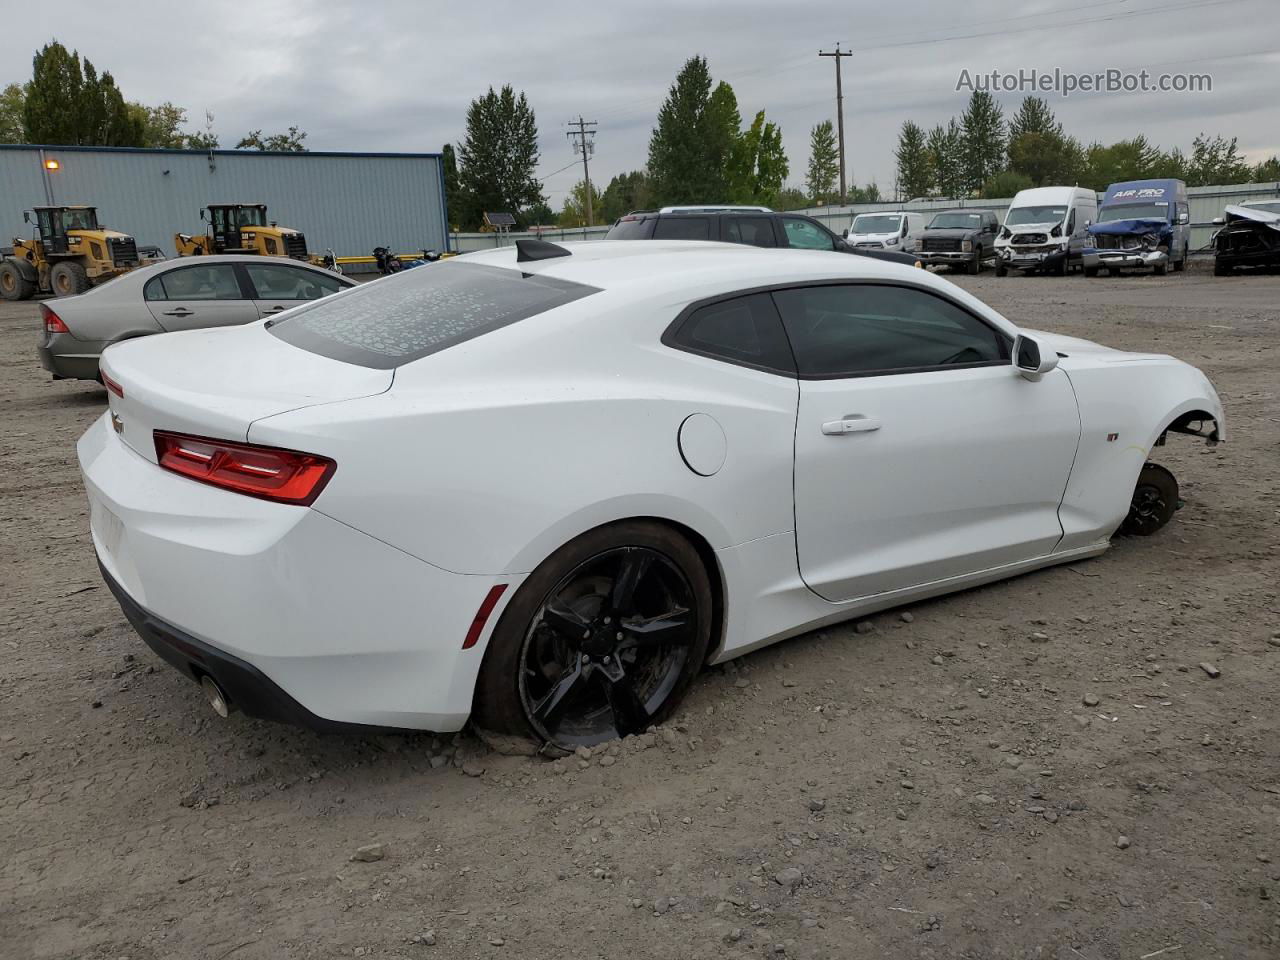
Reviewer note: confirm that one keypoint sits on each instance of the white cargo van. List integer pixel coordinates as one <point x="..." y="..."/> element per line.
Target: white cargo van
<point x="1046" y="229"/>
<point x="892" y="230"/>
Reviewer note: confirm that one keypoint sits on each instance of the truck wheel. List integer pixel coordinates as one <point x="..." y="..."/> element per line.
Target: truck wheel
<point x="13" y="285"/>
<point x="975" y="265"/>
<point x="1062" y="269"/>
<point x="1155" y="499"/>
<point x="1161" y="269"/>
<point x="1090" y="271"/>
<point x="68" y="278"/>
<point x="1001" y="270"/>
<point x="1219" y="269"/>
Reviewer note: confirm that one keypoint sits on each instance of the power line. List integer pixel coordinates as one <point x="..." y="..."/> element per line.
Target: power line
<point x="584" y="143"/>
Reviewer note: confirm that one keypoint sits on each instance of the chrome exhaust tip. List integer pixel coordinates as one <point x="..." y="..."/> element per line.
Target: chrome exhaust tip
<point x="217" y="699"/>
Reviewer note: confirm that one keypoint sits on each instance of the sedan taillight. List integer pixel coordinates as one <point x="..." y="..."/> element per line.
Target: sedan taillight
<point x="284" y="476"/>
<point x="52" y="322"/>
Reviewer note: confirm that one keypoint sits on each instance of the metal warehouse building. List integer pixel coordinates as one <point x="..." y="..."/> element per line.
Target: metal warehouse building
<point x="351" y="202"/>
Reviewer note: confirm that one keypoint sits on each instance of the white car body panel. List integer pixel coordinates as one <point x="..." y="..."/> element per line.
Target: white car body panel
<point x="465" y="469"/>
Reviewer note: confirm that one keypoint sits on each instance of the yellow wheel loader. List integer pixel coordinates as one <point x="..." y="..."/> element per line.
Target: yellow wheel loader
<point x="69" y="252"/>
<point x="241" y="228"/>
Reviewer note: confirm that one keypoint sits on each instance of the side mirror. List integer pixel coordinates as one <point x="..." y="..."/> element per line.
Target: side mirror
<point x="1184" y="218"/>
<point x="1219" y="221"/>
<point x="26" y="216"/>
<point x="846" y="233"/>
<point x="1088" y="224"/>
<point x="202" y="214"/>
<point x="1032" y="358"/>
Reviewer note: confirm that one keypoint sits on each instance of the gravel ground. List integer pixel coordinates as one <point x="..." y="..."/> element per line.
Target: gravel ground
<point x="1040" y="768"/>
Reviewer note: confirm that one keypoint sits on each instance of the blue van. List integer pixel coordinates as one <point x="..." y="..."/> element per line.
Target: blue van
<point x="1142" y="223"/>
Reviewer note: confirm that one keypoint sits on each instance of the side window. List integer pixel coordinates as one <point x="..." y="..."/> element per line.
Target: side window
<point x="806" y="234"/>
<point x="275" y="282"/>
<point x="213" y="282"/>
<point x="744" y="330"/>
<point x="857" y="329"/>
<point x="755" y="231"/>
<point x="682" y="228"/>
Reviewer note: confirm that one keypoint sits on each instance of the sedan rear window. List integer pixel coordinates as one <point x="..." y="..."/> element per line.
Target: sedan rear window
<point x="391" y="322"/>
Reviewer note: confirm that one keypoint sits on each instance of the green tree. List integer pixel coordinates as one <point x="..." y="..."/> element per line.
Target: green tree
<point x="449" y="168"/>
<point x="625" y="192"/>
<point x="946" y="159"/>
<point x="759" y="166"/>
<point x="722" y="137"/>
<point x="1124" y="160"/>
<point x="204" y="139"/>
<point x="1267" y="170"/>
<point x="824" y="163"/>
<point x="1035" y="116"/>
<point x="867" y="194"/>
<point x="914" y="162"/>
<point x="1006" y="183"/>
<point x="161" y="125"/>
<point x="574" y="212"/>
<point x="498" y="157"/>
<point x="685" y="163"/>
<point x="68" y="102"/>
<point x="12" y="100"/>
<point x="288" y="142"/>
<point x="982" y="129"/>
<point x="538" y="214"/>
<point x="1216" y="161"/>
<point x="791" y="198"/>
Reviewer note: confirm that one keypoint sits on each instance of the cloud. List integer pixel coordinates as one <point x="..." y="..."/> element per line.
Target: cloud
<point x="399" y="75"/>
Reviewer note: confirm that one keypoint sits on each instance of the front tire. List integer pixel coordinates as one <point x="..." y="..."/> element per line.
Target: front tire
<point x="1155" y="499"/>
<point x="975" y="265"/>
<point x="601" y="641"/>
<point x="1002" y="270"/>
<point x="68" y="278"/>
<point x="13" y="285"/>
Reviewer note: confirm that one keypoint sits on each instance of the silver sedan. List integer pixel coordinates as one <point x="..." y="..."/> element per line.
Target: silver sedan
<point x="184" y="294"/>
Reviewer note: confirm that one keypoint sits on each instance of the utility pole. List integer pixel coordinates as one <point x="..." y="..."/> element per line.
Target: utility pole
<point x="583" y="140"/>
<point x="839" y="55"/>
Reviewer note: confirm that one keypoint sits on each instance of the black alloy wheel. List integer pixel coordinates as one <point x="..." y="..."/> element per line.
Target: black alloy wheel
<point x="602" y="640"/>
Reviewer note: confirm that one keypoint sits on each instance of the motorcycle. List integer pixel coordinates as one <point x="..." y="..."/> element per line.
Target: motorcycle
<point x="330" y="261"/>
<point x="387" y="261"/>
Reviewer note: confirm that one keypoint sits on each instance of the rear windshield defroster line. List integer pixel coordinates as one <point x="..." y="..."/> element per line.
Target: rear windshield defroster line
<point x="390" y="322"/>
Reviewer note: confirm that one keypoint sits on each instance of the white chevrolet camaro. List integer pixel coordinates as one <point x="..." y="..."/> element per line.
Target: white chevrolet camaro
<point x="542" y="488"/>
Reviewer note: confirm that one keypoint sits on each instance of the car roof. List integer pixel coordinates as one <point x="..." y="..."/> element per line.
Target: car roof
<point x="685" y="264"/>
<point x="1041" y="195"/>
<point x="199" y="261"/>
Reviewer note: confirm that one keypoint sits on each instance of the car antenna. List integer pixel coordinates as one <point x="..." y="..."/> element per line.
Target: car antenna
<point x="527" y="250"/>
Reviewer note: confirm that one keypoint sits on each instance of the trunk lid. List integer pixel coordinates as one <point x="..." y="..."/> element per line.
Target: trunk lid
<point x="216" y="383"/>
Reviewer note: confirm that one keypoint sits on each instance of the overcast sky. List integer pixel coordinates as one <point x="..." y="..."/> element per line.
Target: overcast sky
<point x="398" y="76"/>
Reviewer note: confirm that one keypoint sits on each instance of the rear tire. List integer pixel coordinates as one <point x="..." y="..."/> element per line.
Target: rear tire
<point x="68" y="278"/>
<point x="1155" y="499"/>
<point x="1090" y="271"/>
<point x="13" y="285"/>
<point x="556" y="676"/>
<point x="1002" y="270"/>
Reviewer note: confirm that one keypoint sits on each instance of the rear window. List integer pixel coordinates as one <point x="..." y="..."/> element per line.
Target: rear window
<point x="391" y="322"/>
<point x="683" y="228"/>
<point x="632" y="228"/>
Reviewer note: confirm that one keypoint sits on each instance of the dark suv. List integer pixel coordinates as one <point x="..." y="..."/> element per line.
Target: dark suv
<point x="757" y="228"/>
<point x="960" y="238"/>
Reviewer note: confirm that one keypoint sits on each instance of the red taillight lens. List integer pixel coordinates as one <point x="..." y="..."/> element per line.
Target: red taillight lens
<point x="111" y="384"/>
<point x="284" y="476"/>
<point x="52" y="322"/>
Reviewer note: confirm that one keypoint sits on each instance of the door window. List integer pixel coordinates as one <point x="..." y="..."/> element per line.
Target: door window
<point x="682" y="228"/>
<point x="806" y="234"/>
<point x="744" y="330"/>
<point x="276" y="282"/>
<point x="213" y="282"/>
<point x="852" y="330"/>
<point x="755" y="231"/>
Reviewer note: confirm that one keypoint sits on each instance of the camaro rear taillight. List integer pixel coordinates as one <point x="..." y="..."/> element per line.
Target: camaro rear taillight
<point x="52" y="322"/>
<point x="285" y="476"/>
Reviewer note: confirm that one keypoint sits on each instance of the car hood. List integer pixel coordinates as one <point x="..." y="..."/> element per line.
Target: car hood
<point x="1138" y="227"/>
<point x="1237" y="214"/>
<point x="1075" y="348"/>
<point x="216" y="383"/>
<point x="1034" y="227"/>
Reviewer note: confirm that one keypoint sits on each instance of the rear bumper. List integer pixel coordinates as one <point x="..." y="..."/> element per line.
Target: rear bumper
<point x="299" y="617"/>
<point x="68" y="358"/>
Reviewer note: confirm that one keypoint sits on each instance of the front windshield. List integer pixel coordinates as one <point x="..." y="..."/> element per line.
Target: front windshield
<point x="80" y="220"/>
<point x="1043" y="214"/>
<point x="876" y="223"/>
<point x="956" y="221"/>
<point x="1134" y="211"/>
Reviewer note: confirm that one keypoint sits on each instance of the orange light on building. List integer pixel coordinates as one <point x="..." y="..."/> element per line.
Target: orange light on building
<point x="52" y="164"/>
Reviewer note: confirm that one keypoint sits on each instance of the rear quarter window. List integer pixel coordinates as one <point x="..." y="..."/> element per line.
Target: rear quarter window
<point x="683" y="228"/>
<point x="390" y="322"/>
<point x="632" y="228"/>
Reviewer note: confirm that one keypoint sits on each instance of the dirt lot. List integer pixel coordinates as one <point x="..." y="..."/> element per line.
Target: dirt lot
<point x="938" y="786"/>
